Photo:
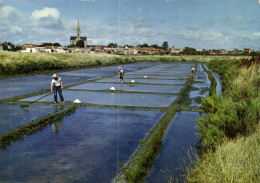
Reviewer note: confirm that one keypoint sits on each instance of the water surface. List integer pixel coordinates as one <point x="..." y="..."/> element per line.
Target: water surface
<point x="85" y="146"/>
<point x="177" y="147"/>
<point x="130" y="87"/>
<point x="12" y="115"/>
<point x="121" y="99"/>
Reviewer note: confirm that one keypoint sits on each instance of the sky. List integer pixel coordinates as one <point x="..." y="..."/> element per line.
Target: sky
<point x="201" y="24"/>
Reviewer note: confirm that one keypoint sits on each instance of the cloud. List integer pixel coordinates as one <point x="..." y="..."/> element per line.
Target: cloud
<point x="141" y="22"/>
<point x="46" y="13"/>
<point x="47" y="17"/>
<point x="10" y="16"/>
<point x="193" y="26"/>
<point x="1" y="1"/>
<point x="237" y="23"/>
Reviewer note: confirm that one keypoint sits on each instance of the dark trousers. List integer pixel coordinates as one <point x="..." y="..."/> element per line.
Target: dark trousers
<point x="57" y="89"/>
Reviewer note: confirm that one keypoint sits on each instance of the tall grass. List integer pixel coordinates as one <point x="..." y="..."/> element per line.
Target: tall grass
<point x="235" y="160"/>
<point x="230" y="130"/>
<point x="13" y="63"/>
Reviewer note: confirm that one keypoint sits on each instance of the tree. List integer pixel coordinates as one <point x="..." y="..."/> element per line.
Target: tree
<point x="189" y="51"/>
<point x="165" y="46"/>
<point x="56" y="44"/>
<point x="46" y="44"/>
<point x="112" y="45"/>
<point x="155" y="46"/>
<point x="80" y="43"/>
<point x="144" y="45"/>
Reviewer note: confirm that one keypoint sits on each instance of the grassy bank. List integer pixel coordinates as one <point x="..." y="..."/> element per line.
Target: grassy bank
<point x="213" y="84"/>
<point x="230" y="127"/>
<point x="16" y="63"/>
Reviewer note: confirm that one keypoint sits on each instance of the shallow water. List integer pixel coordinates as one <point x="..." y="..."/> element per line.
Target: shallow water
<point x="87" y="147"/>
<point x="149" y="81"/>
<point x="121" y="99"/>
<point x="12" y="115"/>
<point x="15" y="86"/>
<point x="131" y="87"/>
<point x="107" y="71"/>
<point x="141" y="76"/>
<point x="177" y="143"/>
<point x="203" y="88"/>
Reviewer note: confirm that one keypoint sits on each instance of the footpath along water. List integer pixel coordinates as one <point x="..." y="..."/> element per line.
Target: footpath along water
<point x="86" y="146"/>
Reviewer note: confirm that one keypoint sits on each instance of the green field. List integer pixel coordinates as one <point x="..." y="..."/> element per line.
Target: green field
<point x="17" y="63"/>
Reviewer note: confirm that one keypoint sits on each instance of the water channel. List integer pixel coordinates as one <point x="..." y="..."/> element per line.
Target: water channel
<point x="89" y="144"/>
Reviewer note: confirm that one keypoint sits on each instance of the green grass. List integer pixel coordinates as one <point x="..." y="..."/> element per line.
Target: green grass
<point x="14" y="63"/>
<point x="213" y="85"/>
<point x="230" y="130"/>
<point x="235" y="160"/>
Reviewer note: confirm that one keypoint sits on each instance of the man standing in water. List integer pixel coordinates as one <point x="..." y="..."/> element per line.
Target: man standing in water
<point x="121" y="74"/>
<point x="193" y="72"/>
<point x="57" y="84"/>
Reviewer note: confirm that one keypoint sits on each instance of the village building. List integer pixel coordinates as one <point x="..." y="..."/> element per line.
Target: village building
<point x="151" y="50"/>
<point x="174" y="50"/>
<point x="247" y="50"/>
<point x="29" y="48"/>
<point x="75" y="39"/>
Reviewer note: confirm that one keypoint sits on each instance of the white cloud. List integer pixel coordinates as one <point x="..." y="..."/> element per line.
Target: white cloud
<point x="256" y="34"/>
<point x="47" y="18"/>
<point x="7" y="11"/>
<point x="46" y="13"/>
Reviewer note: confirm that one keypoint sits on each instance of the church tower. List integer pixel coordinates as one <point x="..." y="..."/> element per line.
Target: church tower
<point x="75" y="39"/>
<point x="78" y="30"/>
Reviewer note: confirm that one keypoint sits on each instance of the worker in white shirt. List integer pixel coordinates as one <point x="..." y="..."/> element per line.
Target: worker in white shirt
<point x="57" y="84"/>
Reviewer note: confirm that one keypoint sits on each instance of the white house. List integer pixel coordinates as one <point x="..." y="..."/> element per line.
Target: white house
<point x="29" y="48"/>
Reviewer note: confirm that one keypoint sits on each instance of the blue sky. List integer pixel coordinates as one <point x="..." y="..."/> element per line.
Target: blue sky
<point x="201" y="24"/>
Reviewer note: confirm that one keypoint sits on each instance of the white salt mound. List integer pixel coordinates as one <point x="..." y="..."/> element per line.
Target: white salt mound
<point x="132" y="81"/>
<point x="112" y="88"/>
<point x="145" y="76"/>
<point x="77" y="101"/>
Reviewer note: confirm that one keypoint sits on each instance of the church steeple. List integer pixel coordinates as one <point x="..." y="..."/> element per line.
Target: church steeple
<point x="78" y="30"/>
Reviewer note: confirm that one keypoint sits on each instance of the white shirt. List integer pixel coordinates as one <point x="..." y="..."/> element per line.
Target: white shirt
<point x="56" y="82"/>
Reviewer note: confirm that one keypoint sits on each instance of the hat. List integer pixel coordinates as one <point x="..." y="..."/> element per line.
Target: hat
<point x="54" y="76"/>
<point x="119" y="68"/>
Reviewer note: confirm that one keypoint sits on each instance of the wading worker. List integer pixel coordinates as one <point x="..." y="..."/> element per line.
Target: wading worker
<point x="57" y="84"/>
<point x="121" y="74"/>
<point x="193" y="72"/>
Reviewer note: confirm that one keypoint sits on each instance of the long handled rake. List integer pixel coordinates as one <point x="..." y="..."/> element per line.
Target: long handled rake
<point x="27" y="105"/>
